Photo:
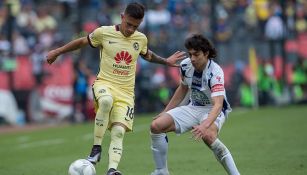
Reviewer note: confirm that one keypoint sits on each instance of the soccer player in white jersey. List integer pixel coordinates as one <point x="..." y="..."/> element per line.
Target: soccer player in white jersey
<point x="120" y="46"/>
<point x="205" y="113"/>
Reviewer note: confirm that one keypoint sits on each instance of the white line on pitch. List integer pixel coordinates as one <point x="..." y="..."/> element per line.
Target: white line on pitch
<point x="41" y="143"/>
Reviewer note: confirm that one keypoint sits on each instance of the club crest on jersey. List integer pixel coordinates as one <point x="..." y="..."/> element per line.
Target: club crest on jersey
<point x="136" y="46"/>
<point x="123" y="56"/>
<point x="101" y="91"/>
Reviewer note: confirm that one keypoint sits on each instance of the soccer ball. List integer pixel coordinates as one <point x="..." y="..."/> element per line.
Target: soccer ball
<point x="81" y="167"/>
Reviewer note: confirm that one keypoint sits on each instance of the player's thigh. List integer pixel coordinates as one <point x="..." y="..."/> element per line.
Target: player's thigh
<point x="99" y="91"/>
<point x="185" y="117"/>
<point x="123" y="110"/>
<point x="164" y="123"/>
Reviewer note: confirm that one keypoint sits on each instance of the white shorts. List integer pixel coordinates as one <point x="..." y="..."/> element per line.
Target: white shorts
<point x="185" y="117"/>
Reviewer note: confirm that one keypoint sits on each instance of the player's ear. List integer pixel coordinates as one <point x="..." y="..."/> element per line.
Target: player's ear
<point x="122" y="16"/>
<point x="206" y="54"/>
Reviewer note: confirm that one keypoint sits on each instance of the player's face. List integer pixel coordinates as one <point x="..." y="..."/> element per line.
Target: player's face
<point x="129" y="25"/>
<point x="198" y="59"/>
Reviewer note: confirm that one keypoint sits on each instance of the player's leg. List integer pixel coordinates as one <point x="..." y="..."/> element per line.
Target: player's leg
<point x="220" y="151"/>
<point x="159" y="127"/>
<point x="104" y="103"/>
<point x="159" y="142"/>
<point x="116" y="147"/>
<point x="179" y="120"/>
<point x="163" y="124"/>
<point x="121" y="121"/>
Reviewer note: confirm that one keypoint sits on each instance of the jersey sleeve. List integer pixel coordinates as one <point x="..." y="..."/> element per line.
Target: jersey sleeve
<point x="183" y="73"/>
<point x="217" y="83"/>
<point x="95" y="38"/>
<point x="145" y="47"/>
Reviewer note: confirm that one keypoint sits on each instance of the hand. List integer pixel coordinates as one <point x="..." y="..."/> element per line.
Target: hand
<point x="198" y="132"/>
<point x="173" y="59"/>
<point x="52" y="56"/>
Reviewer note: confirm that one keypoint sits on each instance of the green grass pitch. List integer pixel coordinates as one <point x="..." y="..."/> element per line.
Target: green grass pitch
<point x="268" y="141"/>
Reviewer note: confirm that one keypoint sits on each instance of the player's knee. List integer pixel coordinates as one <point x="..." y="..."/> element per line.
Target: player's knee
<point x="210" y="137"/>
<point x="106" y="102"/>
<point x="117" y="131"/>
<point x="155" y="127"/>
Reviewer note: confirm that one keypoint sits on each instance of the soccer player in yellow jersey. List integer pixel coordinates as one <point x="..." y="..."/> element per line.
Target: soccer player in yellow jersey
<point x="120" y="46"/>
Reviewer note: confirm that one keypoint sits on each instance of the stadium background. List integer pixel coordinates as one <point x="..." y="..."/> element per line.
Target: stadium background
<point x="265" y="80"/>
<point x="261" y="46"/>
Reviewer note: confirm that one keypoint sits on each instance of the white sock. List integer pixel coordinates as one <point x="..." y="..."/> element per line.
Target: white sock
<point x="223" y="155"/>
<point x="116" y="146"/>
<point x="102" y="118"/>
<point x="159" y="147"/>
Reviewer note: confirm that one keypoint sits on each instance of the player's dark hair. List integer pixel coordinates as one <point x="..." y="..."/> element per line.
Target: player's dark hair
<point x="200" y="43"/>
<point x="135" y="10"/>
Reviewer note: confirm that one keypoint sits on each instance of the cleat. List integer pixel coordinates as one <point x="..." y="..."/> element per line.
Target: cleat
<point x="94" y="157"/>
<point x="113" y="171"/>
<point x="160" y="172"/>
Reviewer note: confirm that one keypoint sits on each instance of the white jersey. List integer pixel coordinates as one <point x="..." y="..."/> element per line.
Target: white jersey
<point x="204" y="85"/>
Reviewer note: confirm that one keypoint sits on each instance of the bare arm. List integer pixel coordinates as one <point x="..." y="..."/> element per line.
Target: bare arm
<point x="170" y="61"/>
<point x="71" y="46"/>
<point x="177" y="98"/>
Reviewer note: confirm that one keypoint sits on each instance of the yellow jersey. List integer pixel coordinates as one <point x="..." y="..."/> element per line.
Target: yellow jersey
<point x="118" y="56"/>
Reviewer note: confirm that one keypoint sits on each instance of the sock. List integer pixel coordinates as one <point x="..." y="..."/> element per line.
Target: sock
<point x="102" y="118"/>
<point x="116" y="146"/>
<point x="159" y="147"/>
<point x="223" y="155"/>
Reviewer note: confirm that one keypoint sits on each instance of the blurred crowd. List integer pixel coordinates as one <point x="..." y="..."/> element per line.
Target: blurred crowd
<point x="270" y="33"/>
